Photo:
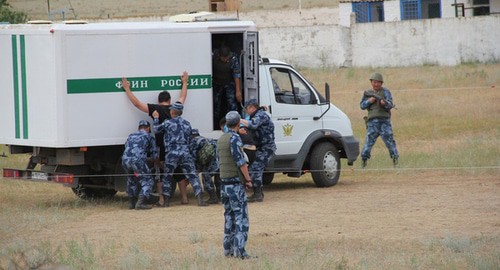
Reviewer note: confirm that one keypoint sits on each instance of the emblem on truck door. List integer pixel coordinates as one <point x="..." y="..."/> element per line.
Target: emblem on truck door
<point x="287" y="130"/>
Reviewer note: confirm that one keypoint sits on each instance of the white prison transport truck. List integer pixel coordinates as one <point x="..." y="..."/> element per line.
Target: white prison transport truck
<point x="62" y="102"/>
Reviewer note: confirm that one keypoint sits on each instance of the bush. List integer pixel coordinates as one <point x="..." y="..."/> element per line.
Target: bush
<point x="9" y="15"/>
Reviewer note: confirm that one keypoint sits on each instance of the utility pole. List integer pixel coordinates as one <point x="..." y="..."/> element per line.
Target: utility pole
<point x="48" y="7"/>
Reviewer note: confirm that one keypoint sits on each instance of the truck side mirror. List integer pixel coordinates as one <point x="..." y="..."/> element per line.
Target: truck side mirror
<point x="327" y="92"/>
<point x="327" y="97"/>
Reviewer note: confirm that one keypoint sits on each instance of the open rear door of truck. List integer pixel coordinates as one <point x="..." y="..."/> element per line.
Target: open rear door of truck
<point x="251" y="65"/>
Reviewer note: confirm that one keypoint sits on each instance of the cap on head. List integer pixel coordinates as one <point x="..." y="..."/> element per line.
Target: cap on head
<point x="252" y="101"/>
<point x="376" y="77"/>
<point x="232" y="118"/>
<point x="144" y="123"/>
<point x="177" y="106"/>
<point x="195" y="132"/>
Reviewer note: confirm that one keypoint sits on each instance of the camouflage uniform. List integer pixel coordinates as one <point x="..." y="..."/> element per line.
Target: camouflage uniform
<point x="263" y="128"/>
<point x="139" y="147"/>
<point x="234" y="198"/>
<point x="224" y="87"/>
<point x="379" y="126"/>
<point x="207" y="170"/>
<point x="177" y="138"/>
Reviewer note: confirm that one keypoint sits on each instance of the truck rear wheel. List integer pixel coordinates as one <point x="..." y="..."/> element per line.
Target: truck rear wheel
<point x="325" y="165"/>
<point x="93" y="193"/>
<point x="267" y="178"/>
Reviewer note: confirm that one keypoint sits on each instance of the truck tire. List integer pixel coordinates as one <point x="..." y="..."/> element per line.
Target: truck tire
<point x="93" y="193"/>
<point x="267" y="178"/>
<point x="325" y="165"/>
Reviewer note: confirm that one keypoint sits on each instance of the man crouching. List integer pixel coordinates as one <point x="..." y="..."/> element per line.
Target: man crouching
<point x="140" y="151"/>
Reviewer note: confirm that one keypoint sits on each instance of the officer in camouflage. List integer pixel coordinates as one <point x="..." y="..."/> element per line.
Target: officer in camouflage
<point x="226" y="83"/>
<point x="378" y="102"/>
<point x="235" y="179"/>
<point x="206" y="161"/>
<point x="177" y="138"/>
<point x="262" y="126"/>
<point x="137" y="161"/>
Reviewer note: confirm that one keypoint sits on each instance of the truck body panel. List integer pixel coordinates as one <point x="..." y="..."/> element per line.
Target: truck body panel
<point x="68" y="76"/>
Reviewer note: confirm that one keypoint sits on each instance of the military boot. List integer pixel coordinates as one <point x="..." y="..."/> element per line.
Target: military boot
<point x="395" y="162"/>
<point x="213" y="199"/>
<point x="200" y="200"/>
<point x="140" y="205"/>
<point x="131" y="202"/>
<point x="153" y="199"/>
<point x="166" y="201"/>
<point x="257" y="196"/>
<point x="363" y="163"/>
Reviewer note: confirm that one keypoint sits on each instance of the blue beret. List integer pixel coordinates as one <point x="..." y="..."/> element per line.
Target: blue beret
<point x="252" y="101"/>
<point x="144" y="123"/>
<point x="177" y="106"/>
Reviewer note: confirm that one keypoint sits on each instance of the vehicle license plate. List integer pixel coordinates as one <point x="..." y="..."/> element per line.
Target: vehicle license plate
<point x="39" y="176"/>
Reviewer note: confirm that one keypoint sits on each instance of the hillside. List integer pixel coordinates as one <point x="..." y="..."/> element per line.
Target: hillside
<point x="96" y="9"/>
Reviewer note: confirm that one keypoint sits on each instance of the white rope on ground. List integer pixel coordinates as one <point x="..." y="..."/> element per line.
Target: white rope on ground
<point x="425" y="89"/>
<point x="342" y="170"/>
<point x="426" y="169"/>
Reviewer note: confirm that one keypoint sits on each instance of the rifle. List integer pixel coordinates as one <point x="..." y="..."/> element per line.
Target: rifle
<point x="371" y="93"/>
<point x="388" y="105"/>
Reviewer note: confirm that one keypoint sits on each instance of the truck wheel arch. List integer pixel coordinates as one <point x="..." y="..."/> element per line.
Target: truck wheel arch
<point x="320" y="136"/>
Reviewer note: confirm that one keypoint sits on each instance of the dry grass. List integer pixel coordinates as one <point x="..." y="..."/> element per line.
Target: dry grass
<point x="445" y="117"/>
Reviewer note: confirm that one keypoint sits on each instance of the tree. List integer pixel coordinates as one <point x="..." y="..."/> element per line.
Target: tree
<point x="7" y="14"/>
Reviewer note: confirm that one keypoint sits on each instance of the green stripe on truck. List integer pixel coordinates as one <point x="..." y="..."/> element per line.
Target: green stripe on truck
<point x="110" y="85"/>
<point x="24" y="87"/>
<point x="16" y="87"/>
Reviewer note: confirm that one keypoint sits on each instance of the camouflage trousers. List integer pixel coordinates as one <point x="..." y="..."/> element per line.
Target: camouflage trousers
<point x="383" y="128"/>
<point x="207" y="172"/>
<point x="185" y="162"/>
<point x="234" y="199"/>
<point x="140" y="180"/>
<point x="262" y="157"/>
<point x="224" y="97"/>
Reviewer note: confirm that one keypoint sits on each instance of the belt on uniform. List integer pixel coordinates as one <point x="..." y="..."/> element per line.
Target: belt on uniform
<point x="379" y="117"/>
<point x="234" y="182"/>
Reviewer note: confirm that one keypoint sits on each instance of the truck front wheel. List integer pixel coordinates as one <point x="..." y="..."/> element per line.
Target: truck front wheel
<point x="325" y="165"/>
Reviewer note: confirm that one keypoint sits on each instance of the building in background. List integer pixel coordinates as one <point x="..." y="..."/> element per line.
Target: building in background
<point x="223" y="5"/>
<point x="363" y="11"/>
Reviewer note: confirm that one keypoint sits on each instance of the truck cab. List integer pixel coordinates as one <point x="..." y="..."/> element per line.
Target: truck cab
<point x="311" y="133"/>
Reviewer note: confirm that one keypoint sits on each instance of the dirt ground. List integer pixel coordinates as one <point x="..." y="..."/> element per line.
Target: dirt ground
<point x="369" y="207"/>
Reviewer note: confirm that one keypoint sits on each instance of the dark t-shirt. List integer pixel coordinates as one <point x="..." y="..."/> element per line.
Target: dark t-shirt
<point x="164" y="112"/>
<point x="247" y="138"/>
